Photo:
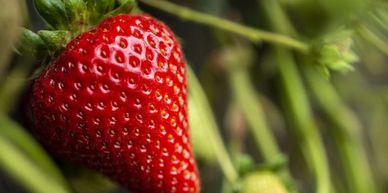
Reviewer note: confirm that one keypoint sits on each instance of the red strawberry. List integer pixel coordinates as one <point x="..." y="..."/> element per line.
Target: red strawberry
<point x="115" y="101"/>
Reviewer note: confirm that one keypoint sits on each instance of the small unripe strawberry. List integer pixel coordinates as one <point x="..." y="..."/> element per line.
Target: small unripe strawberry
<point x="115" y="101"/>
<point x="262" y="182"/>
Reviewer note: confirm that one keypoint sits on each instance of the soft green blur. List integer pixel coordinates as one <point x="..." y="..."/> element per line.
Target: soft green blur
<point x="285" y="96"/>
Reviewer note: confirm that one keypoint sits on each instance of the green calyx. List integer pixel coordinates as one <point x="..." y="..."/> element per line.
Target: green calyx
<point x="79" y="15"/>
<point x="54" y="39"/>
<point x="125" y="7"/>
<point x="30" y="43"/>
<point x="53" y="12"/>
<point x="65" y="20"/>
<point x="262" y="182"/>
<point x="44" y="41"/>
<point x="335" y="53"/>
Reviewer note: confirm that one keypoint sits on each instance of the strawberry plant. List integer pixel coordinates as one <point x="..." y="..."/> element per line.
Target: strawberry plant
<point x="152" y="96"/>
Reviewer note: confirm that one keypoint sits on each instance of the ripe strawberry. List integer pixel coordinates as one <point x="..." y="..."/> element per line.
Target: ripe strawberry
<point x="115" y="101"/>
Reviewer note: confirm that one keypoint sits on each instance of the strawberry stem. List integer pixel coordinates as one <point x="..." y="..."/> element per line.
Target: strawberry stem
<point x="19" y="166"/>
<point x="298" y="110"/>
<point x="296" y="103"/>
<point x="252" y="34"/>
<point x="346" y="131"/>
<point x="214" y="136"/>
<point x="247" y="99"/>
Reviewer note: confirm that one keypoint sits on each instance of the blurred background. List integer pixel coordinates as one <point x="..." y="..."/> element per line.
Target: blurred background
<point x="284" y="96"/>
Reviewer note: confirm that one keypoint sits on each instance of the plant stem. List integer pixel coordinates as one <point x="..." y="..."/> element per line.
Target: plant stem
<point x="372" y="38"/>
<point x="16" y="164"/>
<point x="296" y="102"/>
<point x="346" y="133"/>
<point x="214" y="136"/>
<point x="299" y="112"/>
<point x="246" y="98"/>
<point x="252" y="34"/>
<point x="16" y="134"/>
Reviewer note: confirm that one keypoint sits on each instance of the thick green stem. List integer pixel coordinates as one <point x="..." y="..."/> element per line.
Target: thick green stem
<point x="296" y="102"/>
<point x="214" y="136"/>
<point x="346" y="132"/>
<point x="299" y="112"/>
<point x="248" y="32"/>
<point x="246" y="98"/>
<point x="16" y="134"/>
<point x="16" y="164"/>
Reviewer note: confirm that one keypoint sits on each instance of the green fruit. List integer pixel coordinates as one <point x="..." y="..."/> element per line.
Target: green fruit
<point x="262" y="182"/>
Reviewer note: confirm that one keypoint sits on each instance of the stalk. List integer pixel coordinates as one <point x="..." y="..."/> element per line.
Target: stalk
<point x="247" y="99"/>
<point x="299" y="112"/>
<point x="17" y="165"/>
<point x="296" y="101"/>
<point x="252" y="34"/>
<point x="251" y="107"/>
<point x="346" y="132"/>
<point x="214" y="137"/>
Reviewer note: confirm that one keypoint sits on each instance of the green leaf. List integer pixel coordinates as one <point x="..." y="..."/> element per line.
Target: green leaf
<point x="53" y="12"/>
<point x="104" y="6"/>
<point x="30" y="43"/>
<point x="334" y="52"/>
<point x="97" y="9"/>
<point x="245" y="164"/>
<point x="341" y="66"/>
<point x="329" y="54"/>
<point x="31" y="148"/>
<point x="324" y="70"/>
<point x="126" y="7"/>
<point x="75" y="9"/>
<point x="54" y="39"/>
<point x="351" y="57"/>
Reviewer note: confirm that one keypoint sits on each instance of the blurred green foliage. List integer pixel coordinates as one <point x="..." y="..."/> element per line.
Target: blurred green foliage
<point x="10" y="21"/>
<point x="316" y="67"/>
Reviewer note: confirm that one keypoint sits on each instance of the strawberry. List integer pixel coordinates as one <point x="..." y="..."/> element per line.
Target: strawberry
<point x="115" y="101"/>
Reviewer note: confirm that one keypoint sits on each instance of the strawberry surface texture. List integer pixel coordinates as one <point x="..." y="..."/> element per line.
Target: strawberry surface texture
<point x="115" y="101"/>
